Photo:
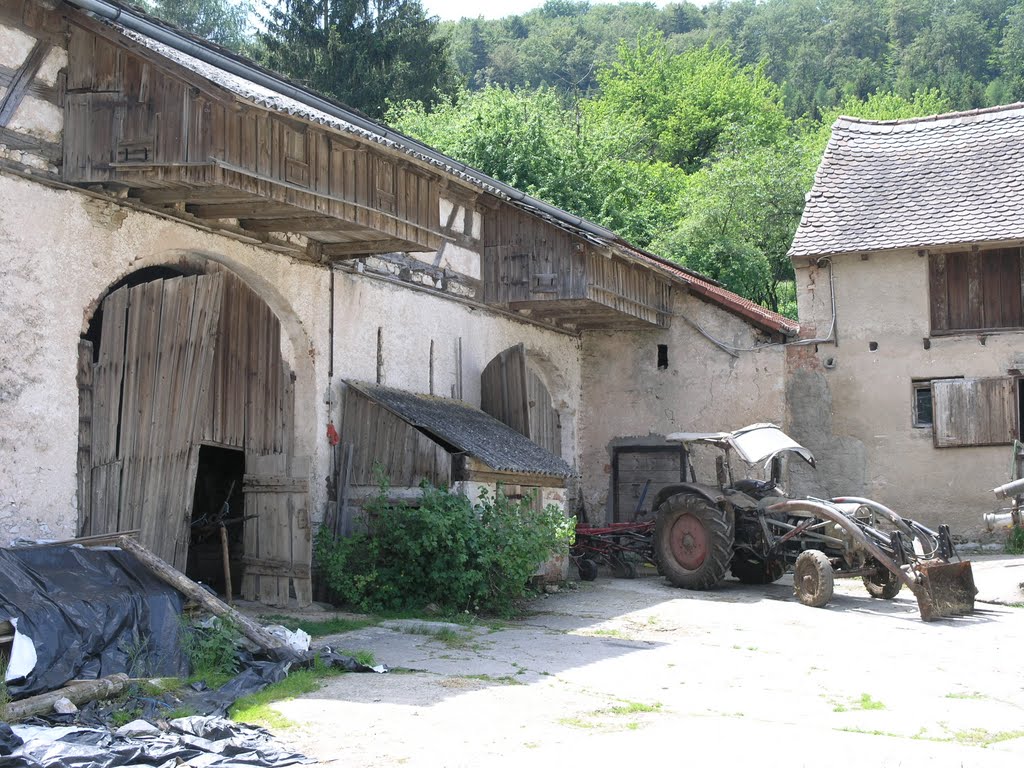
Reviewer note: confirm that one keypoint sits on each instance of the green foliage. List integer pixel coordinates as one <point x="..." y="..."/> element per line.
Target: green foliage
<point x="211" y="652"/>
<point x="5" y="693"/>
<point x="446" y="550"/>
<point x="1015" y="541"/>
<point x="679" y="106"/>
<point x="361" y="52"/>
<point x="225" y="22"/>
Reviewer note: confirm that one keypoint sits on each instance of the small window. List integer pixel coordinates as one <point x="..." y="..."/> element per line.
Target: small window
<point x="922" y="404"/>
<point x="662" y="357"/>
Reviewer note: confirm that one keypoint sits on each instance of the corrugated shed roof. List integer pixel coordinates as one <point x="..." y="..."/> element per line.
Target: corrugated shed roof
<point x="468" y="429"/>
<point x="942" y="180"/>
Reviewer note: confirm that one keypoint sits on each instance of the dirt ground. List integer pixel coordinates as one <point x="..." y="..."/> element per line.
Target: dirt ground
<point x="623" y="672"/>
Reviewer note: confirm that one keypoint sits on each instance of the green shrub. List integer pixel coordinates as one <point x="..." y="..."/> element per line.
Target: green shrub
<point x="1015" y="541"/>
<point x="446" y="550"/>
<point x="212" y="651"/>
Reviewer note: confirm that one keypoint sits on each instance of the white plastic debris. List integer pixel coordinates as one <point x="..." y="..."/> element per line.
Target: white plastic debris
<point x="137" y="728"/>
<point x="23" y="655"/>
<point x="297" y="640"/>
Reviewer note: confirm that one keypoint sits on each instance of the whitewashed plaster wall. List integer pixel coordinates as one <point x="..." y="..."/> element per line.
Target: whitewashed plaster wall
<point x="704" y="388"/>
<point x="59" y="253"/>
<point x="853" y="405"/>
<point x="410" y="321"/>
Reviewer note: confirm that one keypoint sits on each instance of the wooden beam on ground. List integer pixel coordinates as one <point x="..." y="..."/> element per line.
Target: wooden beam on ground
<point x="190" y="589"/>
<point x="77" y="693"/>
<point x="22" y="80"/>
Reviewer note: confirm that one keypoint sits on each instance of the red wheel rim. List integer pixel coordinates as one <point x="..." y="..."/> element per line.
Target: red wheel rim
<point x="689" y="542"/>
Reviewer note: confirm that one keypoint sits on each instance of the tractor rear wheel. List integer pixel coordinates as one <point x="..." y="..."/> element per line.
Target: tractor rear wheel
<point x="883" y="585"/>
<point x="692" y="541"/>
<point x="813" y="580"/>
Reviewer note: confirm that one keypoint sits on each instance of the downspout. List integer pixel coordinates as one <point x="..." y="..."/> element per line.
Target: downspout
<point x="183" y="44"/>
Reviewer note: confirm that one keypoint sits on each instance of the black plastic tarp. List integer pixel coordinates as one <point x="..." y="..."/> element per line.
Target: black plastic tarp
<point x="209" y="742"/>
<point x="89" y="613"/>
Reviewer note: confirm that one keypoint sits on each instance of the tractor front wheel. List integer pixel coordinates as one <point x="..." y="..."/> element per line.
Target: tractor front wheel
<point x="883" y="585"/>
<point x="693" y="541"/>
<point x="813" y="580"/>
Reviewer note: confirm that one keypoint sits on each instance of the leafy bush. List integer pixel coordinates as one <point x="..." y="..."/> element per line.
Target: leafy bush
<point x="211" y="650"/>
<point x="446" y="550"/>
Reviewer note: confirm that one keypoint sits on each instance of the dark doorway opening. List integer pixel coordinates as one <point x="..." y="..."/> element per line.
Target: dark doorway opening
<point x="219" y="503"/>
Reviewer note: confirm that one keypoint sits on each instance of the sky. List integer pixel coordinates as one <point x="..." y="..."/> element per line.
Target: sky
<point x="495" y="9"/>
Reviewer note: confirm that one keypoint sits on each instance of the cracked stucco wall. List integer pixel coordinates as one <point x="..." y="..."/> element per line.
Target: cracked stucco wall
<point x="853" y="405"/>
<point x="703" y="388"/>
<point x="51" y="278"/>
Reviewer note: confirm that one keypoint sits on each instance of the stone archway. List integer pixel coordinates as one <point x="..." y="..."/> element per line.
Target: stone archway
<point x="181" y="367"/>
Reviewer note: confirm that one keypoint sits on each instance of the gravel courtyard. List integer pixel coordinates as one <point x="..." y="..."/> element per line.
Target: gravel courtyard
<point x="623" y="672"/>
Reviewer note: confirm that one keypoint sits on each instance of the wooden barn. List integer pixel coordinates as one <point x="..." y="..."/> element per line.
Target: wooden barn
<point x="197" y="254"/>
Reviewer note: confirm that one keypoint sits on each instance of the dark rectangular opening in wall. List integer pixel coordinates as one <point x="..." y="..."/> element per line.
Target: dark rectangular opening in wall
<point x="218" y="503"/>
<point x="662" y="357"/>
<point x="1020" y="408"/>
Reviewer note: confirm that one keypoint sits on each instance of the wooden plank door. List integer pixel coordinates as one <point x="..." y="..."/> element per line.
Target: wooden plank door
<point x="277" y="538"/>
<point x="503" y="389"/>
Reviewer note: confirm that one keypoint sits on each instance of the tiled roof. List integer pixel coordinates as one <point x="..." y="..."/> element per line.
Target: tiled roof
<point x="279" y="102"/>
<point x="713" y="292"/>
<point x="468" y="429"/>
<point x="943" y="180"/>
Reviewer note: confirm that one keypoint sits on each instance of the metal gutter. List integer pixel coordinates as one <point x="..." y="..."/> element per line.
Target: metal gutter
<point x="183" y="44"/>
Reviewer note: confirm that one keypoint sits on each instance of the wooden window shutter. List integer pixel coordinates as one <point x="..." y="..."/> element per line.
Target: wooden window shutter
<point x="970" y="412"/>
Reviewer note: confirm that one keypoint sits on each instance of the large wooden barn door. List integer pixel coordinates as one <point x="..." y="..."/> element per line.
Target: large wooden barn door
<point x="150" y="386"/>
<point x="515" y="395"/>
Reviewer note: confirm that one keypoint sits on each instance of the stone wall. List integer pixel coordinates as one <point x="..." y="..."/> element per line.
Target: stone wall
<point x="851" y="401"/>
<point x="704" y="388"/>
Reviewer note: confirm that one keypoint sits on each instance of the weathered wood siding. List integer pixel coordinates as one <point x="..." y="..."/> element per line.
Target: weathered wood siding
<point x="381" y="439"/>
<point x="639" y="473"/>
<point x="530" y="264"/>
<point x="134" y="118"/>
<point x="976" y="290"/>
<point x="974" y="412"/>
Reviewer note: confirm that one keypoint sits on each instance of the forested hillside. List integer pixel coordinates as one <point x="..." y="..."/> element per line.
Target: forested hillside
<point x="820" y="52"/>
<point x="693" y="132"/>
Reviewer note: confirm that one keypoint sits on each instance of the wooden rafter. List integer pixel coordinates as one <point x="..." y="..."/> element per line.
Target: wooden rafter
<point x="21" y="81"/>
<point x="365" y="248"/>
<point x="299" y="224"/>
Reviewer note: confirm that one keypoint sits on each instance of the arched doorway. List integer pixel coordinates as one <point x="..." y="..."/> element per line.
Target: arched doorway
<point x="187" y="432"/>
<point x="513" y="393"/>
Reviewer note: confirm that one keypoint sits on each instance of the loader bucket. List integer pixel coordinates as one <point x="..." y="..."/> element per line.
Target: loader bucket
<point x="945" y="589"/>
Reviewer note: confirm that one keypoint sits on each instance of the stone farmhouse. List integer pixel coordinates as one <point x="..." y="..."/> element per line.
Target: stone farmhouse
<point x="908" y="258"/>
<point x="226" y="299"/>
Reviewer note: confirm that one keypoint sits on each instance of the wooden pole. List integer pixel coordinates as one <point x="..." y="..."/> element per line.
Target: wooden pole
<point x="78" y="693"/>
<point x="190" y="589"/>
<point x="228" y="589"/>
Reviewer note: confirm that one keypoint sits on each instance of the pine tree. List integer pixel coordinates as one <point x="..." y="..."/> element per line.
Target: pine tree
<point x="362" y="52"/>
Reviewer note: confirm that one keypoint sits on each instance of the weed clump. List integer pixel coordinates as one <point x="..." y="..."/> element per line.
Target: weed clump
<point x="211" y="650"/>
<point x="445" y="550"/>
